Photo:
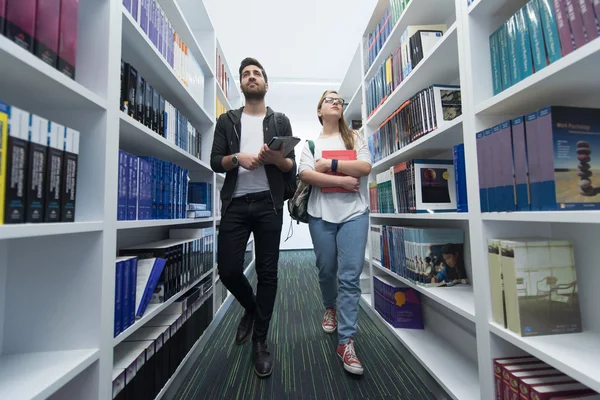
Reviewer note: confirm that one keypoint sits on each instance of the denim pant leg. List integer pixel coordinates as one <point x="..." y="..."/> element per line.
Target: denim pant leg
<point x="351" y="244"/>
<point x="323" y="236"/>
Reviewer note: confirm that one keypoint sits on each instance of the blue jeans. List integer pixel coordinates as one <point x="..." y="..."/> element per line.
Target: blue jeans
<point x="340" y="252"/>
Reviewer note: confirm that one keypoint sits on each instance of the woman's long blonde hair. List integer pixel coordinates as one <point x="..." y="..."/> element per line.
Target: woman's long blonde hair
<point x="347" y="133"/>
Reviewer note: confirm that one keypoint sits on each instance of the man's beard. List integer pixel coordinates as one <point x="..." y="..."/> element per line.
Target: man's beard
<point x="256" y="93"/>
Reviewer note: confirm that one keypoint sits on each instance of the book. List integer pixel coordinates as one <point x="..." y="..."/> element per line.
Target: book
<point x="589" y="20"/>
<point x="36" y="171"/>
<point x="148" y="102"/>
<point x="54" y="172"/>
<point x="499" y="363"/>
<point x="123" y="187"/>
<point x="576" y="23"/>
<point x="551" y="17"/>
<point x="495" y="60"/>
<point x="148" y="273"/>
<point x="132" y="191"/>
<point x="2" y="19"/>
<point x="4" y="115"/>
<point x="509" y="370"/>
<point x="514" y="55"/>
<point x="119" y="275"/>
<point x="131" y="87"/>
<point x="553" y="391"/>
<point x="400" y="306"/>
<point x="597" y="8"/>
<point x="140" y="90"/>
<point x="342" y="155"/>
<point x="435" y="186"/>
<point x="533" y="160"/>
<point x="460" y="177"/>
<point x="536" y="35"/>
<point x="525" y="385"/>
<point x="20" y="22"/>
<point x="496" y="290"/>
<point x="519" y="155"/>
<point x="67" y="43"/>
<point x="68" y="197"/>
<point x="481" y="172"/>
<point x="46" y="31"/>
<point x="503" y="45"/>
<point x="16" y="166"/>
<point x="524" y="45"/>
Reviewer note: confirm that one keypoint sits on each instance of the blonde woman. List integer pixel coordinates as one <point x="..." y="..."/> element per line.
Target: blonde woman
<point x="338" y="222"/>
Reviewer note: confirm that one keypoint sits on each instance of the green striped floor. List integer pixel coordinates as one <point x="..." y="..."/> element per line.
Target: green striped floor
<point x="306" y="364"/>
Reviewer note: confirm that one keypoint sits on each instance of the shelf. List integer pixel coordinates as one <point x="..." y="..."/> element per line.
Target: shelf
<point x="353" y="77"/>
<point x="572" y="80"/>
<point x="450" y="216"/>
<point x="234" y="92"/>
<point x="436" y="142"/>
<point x="140" y="52"/>
<point x="222" y="98"/>
<point x="456" y="374"/>
<point x="154" y="309"/>
<point x="53" y="229"/>
<point x="39" y="375"/>
<point x="367" y="299"/>
<point x="458" y="298"/>
<point x="151" y="223"/>
<point x="486" y="8"/>
<point x="352" y="110"/>
<point x="176" y="18"/>
<point x="572" y="217"/>
<point x="575" y="354"/>
<point x="439" y="67"/>
<point x="140" y="140"/>
<point x="422" y="12"/>
<point x="23" y="74"/>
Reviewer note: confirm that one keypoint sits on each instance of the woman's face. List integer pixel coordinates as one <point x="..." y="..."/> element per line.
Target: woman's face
<point x="332" y="106"/>
<point x="451" y="260"/>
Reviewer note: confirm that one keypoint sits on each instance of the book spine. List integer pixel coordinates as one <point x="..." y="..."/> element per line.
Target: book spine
<point x="589" y="19"/>
<point x="148" y="99"/>
<point x="533" y="163"/>
<point x="524" y="46"/>
<point x="38" y="133"/>
<point x="69" y="175"/>
<point x="576" y="22"/>
<point x="144" y="16"/>
<point x="122" y="187"/>
<point x="125" y="295"/>
<point x="46" y="31"/>
<point x="507" y="193"/>
<point x="127" y="5"/>
<point x="504" y="56"/>
<point x="498" y="162"/>
<point x="514" y="55"/>
<point x="546" y="155"/>
<point x="536" y="35"/>
<point x="596" y="4"/>
<point x="488" y="160"/>
<point x="132" y="290"/>
<point x="495" y="59"/>
<point x="54" y="172"/>
<point x="4" y="115"/>
<point x="16" y="166"/>
<point x="520" y="164"/>
<point x="20" y="22"/>
<point x="557" y="33"/>
<point x="118" y="297"/>
<point x="135" y="10"/>
<point x="131" y="94"/>
<point x="133" y="187"/>
<point x="67" y="43"/>
<point x="139" y="99"/>
<point x="2" y="23"/>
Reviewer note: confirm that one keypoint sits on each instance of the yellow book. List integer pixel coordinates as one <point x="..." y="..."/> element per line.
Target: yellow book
<point x="4" y="113"/>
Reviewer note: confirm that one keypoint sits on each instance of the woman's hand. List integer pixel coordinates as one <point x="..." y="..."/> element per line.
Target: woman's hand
<point x="349" y="183"/>
<point x="323" y="165"/>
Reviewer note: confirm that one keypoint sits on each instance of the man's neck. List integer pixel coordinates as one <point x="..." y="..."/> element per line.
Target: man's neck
<point x="255" y="108"/>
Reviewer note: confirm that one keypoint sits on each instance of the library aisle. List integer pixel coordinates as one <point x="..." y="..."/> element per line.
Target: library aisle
<point x="306" y="364"/>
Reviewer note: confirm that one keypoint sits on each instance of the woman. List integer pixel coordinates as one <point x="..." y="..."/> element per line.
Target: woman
<point x="338" y="222"/>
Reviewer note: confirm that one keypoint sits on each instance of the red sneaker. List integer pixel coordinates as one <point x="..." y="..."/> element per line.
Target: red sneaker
<point x="347" y="354"/>
<point x="329" y="323"/>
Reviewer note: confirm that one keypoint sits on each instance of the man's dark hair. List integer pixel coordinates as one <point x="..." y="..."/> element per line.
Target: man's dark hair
<point x="252" y="61"/>
<point x="450" y="249"/>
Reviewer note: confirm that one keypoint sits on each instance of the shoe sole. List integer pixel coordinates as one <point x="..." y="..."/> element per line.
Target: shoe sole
<point x="352" y="370"/>
<point x="329" y="331"/>
<point x="263" y="375"/>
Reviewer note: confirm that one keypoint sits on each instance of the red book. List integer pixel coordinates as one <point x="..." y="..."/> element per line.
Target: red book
<point x="67" y="43"/>
<point x="344" y="155"/>
<point x="20" y="22"/>
<point x="555" y="391"/>
<point x="46" y="30"/>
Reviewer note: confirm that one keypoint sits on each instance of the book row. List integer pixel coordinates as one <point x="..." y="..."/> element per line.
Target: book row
<point x="47" y="28"/>
<point x="223" y="79"/>
<point x="149" y="188"/>
<point x="377" y="38"/>
<point x="38" y="168"/>
<point x="423" y="113"/>
<point x="400" y="306"/>
<point x="428" y="257"/>
<point x="145" y="104"/>
<point x="149" y="357"/>
<point x="541" y="161"/>
<point x="533" y="284"/>
<point x="527" y="378"/>
<point x="155" y="24"/>
<point x="540" y="33"/>
<point x="416" y="43"/>
<point x="421" y="186"/>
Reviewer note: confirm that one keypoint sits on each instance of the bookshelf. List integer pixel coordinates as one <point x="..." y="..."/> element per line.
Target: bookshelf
<point x="43" y="320"/>
<point x="462" y="57"/>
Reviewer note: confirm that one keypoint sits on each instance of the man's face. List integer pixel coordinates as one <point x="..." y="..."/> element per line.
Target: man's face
<point x="451" y="260"/>
<point x="253" y="83"/>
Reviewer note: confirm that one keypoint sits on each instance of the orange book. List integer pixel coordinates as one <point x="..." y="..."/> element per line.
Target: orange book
<point x="343" y="155"/>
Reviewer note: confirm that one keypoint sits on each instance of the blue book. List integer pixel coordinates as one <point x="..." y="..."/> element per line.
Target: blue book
<point x="550" y="30"/>
<point x="133" y="187"/>
<point x="536" y="35"/>
<point x="524" y="45"/>
<point x="504" y="57"/>
<point x="460" y="178"/>
<point x="488" y="160"/>
<point x="118" y="328"/>
<point x="513" y="53"/>
<point x="123" y="187"/>
<point x="495" y="60"/>
<point x="481" y="165"/>
<point x="149" y="272"/>
<point x="133" y="262"/>
<point x="125" y="293"/>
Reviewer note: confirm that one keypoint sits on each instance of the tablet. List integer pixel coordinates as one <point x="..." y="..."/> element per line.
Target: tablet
<point x="288" y="141"/>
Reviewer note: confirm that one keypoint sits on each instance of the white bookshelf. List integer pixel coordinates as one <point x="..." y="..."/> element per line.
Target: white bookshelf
<point x="461" y="57"/>
<point x="57" y="280"/>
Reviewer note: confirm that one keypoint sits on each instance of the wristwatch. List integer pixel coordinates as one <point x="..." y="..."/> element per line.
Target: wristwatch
<point x="234" y="160"/>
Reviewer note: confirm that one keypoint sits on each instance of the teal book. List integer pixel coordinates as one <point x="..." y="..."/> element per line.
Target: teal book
<point x="495" y="60"/>
<point x="504" y="57"/>
<point x="536" y="35"/>
<point x="524" y="45"/>
<point x="512" y="38"/>
<point x="550" y="29"/>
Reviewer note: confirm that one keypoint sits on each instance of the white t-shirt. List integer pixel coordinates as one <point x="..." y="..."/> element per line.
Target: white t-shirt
<point x="252" y="139"/>
<point x="336" y="207"/>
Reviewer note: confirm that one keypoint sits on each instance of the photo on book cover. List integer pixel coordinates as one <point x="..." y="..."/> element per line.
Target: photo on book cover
<point x="441" y="258"/>
<point x="437" y="188"/>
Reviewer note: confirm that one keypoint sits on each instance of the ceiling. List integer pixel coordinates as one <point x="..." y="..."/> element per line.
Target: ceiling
<point x="312" y="40"/>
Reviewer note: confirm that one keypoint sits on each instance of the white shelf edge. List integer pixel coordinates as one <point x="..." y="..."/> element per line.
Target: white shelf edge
<point x="527" y="83"/>
<point x="586" y="371"/>
<point x="581" y="217"/>
<point x="367" y="299"/>
<point x="468" y="314"/>
<point x="357" y="95"/>
<point x="154" y="309"/>
<point x="83" y="359"/>
<point x="151" y="223"/>
<point x="449" y="216"/>
<point x="48" y="229"/>
<point x="451" y="31"/>
<point x="399" y="154"/>
<point x="222" y="97"/>
<point x="29" y="59"/>
<point x="167" y="143"/>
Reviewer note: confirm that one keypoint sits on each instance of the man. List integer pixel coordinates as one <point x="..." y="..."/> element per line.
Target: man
<point x="252" y="197"/>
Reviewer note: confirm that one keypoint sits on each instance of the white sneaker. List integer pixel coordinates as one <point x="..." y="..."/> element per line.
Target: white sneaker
<point x="329" y="323"/>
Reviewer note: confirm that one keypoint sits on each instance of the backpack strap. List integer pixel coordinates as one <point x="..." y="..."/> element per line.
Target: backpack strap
<point x="311" y="146"/>
<point x="278" y="122"/>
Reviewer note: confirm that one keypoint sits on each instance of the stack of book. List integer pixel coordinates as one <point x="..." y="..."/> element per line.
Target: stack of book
<point x="398" y="305"/>
<point x="38" y="168"/>
<point x="200" y="200"/>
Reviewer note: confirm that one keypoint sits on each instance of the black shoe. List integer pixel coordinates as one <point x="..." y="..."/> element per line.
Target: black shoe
<point x="244" y="328"/>
<point x="263" y="360"/>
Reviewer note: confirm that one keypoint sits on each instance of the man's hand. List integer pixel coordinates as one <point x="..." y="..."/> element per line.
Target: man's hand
<point x="248" y="161"/>
<point x="268" y="156"/>
<point x="349" y="183"/>
<point x="323" y="165"/>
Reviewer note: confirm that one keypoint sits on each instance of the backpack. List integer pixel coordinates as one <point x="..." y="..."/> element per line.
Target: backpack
<point x="289" y="181"/>
<point x="298" y="204"/>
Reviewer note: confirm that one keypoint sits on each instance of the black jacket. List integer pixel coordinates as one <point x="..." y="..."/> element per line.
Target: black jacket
<point x="227" y="141"/>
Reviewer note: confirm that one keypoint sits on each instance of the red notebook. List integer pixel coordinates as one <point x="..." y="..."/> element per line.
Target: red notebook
<point x="344" y="155"/>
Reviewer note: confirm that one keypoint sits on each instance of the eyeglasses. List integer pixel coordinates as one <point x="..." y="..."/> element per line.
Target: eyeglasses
<point x="334" y="101"/>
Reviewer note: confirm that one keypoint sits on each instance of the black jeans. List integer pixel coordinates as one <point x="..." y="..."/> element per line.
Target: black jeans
<point x="251" y="213"/>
